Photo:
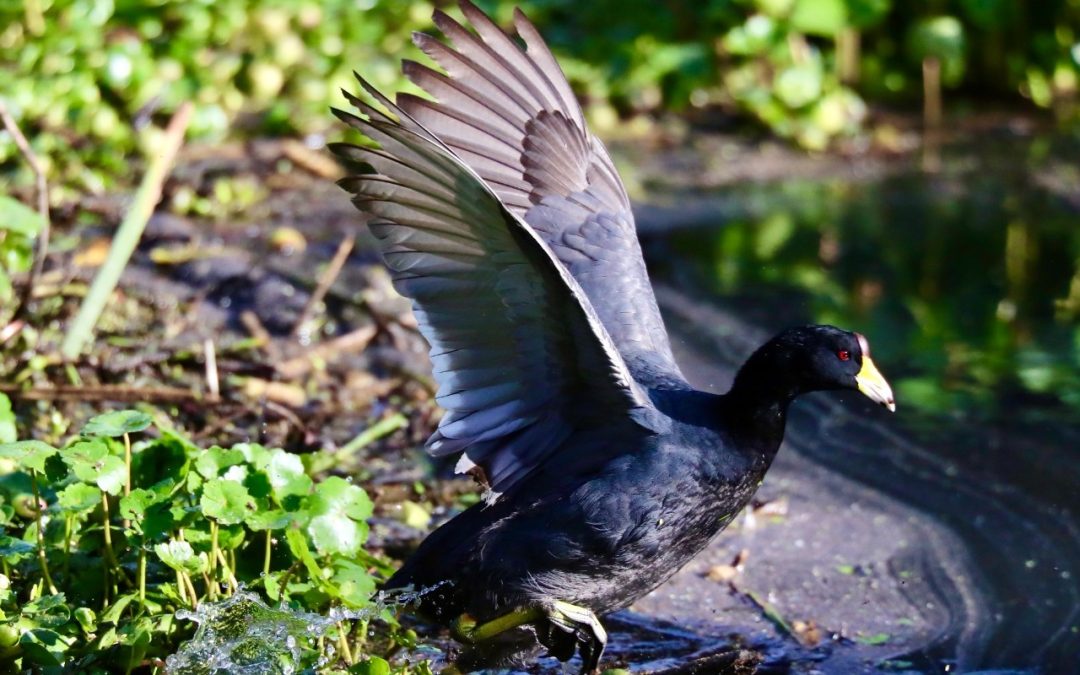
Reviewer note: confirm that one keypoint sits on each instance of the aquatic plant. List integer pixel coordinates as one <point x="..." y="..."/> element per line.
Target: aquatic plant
<point x="105" y="538"/>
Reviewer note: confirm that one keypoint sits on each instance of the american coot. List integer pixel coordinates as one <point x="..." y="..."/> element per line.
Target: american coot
<point x="505" y="221"/>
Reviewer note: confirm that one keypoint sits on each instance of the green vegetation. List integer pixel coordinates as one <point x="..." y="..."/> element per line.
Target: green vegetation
<point x="19" y="225"/>
<point x="105" y="537"/>
<point x="92" y="81"/>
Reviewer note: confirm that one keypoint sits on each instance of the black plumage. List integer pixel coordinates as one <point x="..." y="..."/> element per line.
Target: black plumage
<point x="504" y="220"/>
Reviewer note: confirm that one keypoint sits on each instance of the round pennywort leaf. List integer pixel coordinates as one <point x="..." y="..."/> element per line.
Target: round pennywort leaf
<point x="118" y="423"/>
<point x="226" y="501"/>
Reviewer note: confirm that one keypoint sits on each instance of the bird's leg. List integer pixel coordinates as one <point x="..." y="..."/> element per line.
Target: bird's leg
<point x="578" y="624"/>
<point x="587" y="629"/>
<point x="466" y="630"/>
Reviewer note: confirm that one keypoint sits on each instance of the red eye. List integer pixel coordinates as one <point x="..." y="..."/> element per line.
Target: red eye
<point x="843" y="355"/>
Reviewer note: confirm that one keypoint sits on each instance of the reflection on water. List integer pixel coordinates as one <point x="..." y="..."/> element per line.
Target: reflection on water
<point x="967" y="282"/>
<point x="962" y="277"/>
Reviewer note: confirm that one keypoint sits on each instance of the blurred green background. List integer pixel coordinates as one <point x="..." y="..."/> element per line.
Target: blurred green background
<point x="91" y="81"/>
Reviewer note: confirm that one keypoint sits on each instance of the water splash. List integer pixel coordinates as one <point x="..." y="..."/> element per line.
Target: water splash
<point x="243" y="635"/>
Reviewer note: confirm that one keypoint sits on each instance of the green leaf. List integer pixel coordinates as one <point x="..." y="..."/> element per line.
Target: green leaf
<point x="13" y="550"/>
<point x="133" y="506"/>
<point x="43" y="647"/>
<point x="268" y="519"/>
<point x="753" y="37"/>
<point x="226" y="501"/>
<point x="28" y="454"/>
<point x="299" y="548"/>
<point x="338" y="510"/>
<point x="800" y="85"/>
<point x="819" y="17"/>
<point x="109" y="473"/>
<point x="79" y="497"/>
<point x="85" y="451"/>
<point x="7" y="421"/>
<point x="164" y="458"/>
<point x="865" y="14"/>
<point x="87" y="619"/>
<point x="777" y="8"/>
<point x="354" y="583"/>
<point x="339" y="495"/>
<point x="48" y="611"/>
<point x="181" y="557"/>
<point x="415" y="515"/>
<point x="372" y="666"/>
<point x="18" y="217"/>
<point x="286" y="474"/>
<point x="210" y="463"/>
<point x="116" y="609"/>
<point x="117" y="423"/>
<point x="231" y="537"/>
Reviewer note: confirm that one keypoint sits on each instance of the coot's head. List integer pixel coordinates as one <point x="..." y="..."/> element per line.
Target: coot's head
<point x="814" y="358"/>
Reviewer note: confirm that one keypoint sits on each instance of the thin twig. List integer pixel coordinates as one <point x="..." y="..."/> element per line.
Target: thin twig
<point x="42" y="189"/>
<point x="11" y="330"/>
<point x="325" y="281"/>
<point x="127" y="235"/>
<point x="213" y="385"/>
<point x="103" y="392"/>
<point x="352" y="342"/>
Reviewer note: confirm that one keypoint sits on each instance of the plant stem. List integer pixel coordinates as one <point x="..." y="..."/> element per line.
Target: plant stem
<point x="343" y="641"/>
<point x="191" y="590"/>
<point x="383" y="427"/>
<point x="127" y="463"/>
<point x="110" y="557"/>
<point x="181" y="588"/>
<point x="110" y="554"/>
<point x="67" y="543"/>
<point x="127" y="467"/>
<point x="266" y="552"/>
<point x="214" y="552"/>
<point x="127" y="236"/>
<point x="285" y="578"/>
<point x="360" y="630"/>
<point x="142" y="575"/>
<point x="233" y="583"/>
<point x="41" y="534"/>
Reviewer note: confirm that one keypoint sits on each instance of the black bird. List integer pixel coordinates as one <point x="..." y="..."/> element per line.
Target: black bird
<point x="504" y="220"/>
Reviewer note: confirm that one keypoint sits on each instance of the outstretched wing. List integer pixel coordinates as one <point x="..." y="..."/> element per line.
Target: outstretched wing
<point x="520" y="356"/>
<point x="511" y="116"/>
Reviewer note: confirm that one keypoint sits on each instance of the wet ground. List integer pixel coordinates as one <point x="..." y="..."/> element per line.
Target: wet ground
<point x="942" y="539"/>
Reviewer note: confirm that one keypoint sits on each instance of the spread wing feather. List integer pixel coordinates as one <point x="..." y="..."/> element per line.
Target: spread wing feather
<point x="510" y="114"/>
<point x="519" y="354"/>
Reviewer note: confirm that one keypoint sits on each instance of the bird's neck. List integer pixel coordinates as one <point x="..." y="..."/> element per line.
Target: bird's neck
<point x="757" y="403"/>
